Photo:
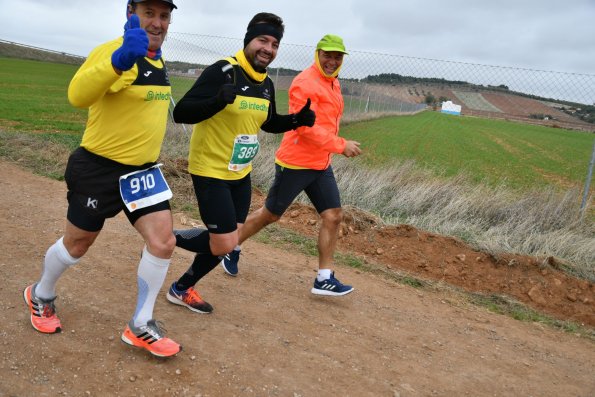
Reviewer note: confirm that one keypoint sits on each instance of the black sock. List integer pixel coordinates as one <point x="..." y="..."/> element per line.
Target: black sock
<point x="193" y="240"/>
<point x="201" y="266"/>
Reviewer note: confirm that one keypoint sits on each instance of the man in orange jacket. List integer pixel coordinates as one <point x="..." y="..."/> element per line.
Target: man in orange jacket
<point x="303" y="162"/>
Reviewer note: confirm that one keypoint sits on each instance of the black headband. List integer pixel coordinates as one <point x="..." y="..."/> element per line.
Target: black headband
<point x="262" y="29"/>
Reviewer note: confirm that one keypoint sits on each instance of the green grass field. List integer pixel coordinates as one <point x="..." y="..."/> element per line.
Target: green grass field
<point x="498" y="152"/>
<point x="35" y="97"/>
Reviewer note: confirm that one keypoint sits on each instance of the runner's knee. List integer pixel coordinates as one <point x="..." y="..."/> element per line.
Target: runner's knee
<point x="266" y="217"/>
<point x="222" y="244"/>
<point x="78" y="246"/>
<point x="162" y="246"/>
<point x="332" y="216"/>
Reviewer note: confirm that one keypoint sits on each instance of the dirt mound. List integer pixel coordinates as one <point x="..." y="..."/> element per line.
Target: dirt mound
<point x="537" y="282"/>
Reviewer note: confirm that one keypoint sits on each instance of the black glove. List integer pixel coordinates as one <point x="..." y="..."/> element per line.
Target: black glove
<point x="227" y="92"/>
<point x="305" y="117"/>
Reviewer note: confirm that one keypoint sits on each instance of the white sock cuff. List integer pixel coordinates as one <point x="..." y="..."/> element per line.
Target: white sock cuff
<point x="324" y="274"/>
<point x="63" y="253"/>
<point x="155" y="260"/>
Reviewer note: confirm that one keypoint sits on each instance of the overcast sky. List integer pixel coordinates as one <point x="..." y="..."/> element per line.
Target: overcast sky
<point x="536" y="34"/>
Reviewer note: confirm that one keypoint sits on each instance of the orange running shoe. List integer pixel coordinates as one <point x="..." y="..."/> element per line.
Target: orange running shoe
<point x="150" y="337"/>
<point x="43" y="312"/>
<point x="189" y="298"/>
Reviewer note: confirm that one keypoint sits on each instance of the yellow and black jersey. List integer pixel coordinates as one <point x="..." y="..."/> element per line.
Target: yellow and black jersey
<point x="127" y="113"/>
<point x="224" y="139"/>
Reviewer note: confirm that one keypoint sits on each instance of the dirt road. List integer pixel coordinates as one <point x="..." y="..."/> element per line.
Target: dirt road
<point x="268" y="336"/>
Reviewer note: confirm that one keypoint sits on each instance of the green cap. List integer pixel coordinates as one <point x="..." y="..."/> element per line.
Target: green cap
<point x="331" y="42"/>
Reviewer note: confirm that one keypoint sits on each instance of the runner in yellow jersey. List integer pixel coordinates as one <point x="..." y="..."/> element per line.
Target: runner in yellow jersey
<point x="230" y="102"/>
<point x="125" y="86"/>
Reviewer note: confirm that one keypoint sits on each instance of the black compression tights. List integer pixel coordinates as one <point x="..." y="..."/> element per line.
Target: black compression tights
<point x="202" y="264"/>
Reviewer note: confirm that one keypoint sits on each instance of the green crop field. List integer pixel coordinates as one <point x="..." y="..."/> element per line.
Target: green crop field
<point x="35" y="97"/>
<point x="515" y="154"/>
<point x="497" y="152"/>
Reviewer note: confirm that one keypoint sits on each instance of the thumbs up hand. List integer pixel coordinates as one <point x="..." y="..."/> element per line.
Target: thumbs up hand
<point x="305" y="117"/>
<point x="135" y="45"/>
<point x="227" y="92"/>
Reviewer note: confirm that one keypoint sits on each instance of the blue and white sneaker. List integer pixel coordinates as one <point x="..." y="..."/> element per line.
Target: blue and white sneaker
<point x="189" y="298"/>
<point x="230" y="262"/>
<point x="330" y="287"/>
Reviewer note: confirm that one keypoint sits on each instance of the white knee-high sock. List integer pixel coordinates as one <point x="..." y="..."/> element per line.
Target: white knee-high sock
<point x="151" y="274"/>
<point x="56" y="261"/>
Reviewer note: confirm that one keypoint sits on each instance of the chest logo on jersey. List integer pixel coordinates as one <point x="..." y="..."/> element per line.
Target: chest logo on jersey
<point x="245" y="105"/>
<point x="157" y="96"/>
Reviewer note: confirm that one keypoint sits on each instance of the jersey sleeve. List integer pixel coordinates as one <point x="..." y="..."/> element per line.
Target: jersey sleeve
<point x="96" y="77"/>
<point x="277" y="123"/>
<point x="200" y="102"/>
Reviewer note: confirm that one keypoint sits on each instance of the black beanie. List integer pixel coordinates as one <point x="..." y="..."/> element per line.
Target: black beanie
<point x="260" y="29"/>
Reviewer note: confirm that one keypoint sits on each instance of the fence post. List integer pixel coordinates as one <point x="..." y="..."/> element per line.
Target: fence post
<point x="351" y="100"/>
<point x="277" y="77"/>
<point x="171" y="114"/>
<point x="588" y="181"/>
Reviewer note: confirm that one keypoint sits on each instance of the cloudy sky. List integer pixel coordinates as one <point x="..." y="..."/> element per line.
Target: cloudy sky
<point x="536" y="34"/>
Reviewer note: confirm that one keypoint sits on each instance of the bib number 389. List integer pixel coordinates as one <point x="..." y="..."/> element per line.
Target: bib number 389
<point x="245" y="148"/>
<point x="140" y="189"/>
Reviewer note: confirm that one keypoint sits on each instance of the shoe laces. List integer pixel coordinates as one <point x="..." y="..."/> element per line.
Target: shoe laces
<point x="46" y="307"/>
<point x="235" y="254"/>
<point x="155" y="328"/>
<point x="192" y="295"/>
<point x="334" y="280"/>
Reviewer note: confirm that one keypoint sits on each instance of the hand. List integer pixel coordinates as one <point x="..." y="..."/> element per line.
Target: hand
<point x="351" y="149"/>
<point x="305" y="117"/>
<point x="135" y="45"/>
<point x="227" y="92"/>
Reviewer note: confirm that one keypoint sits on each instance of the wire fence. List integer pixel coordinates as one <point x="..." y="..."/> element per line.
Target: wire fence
<point x="379" y="84"/>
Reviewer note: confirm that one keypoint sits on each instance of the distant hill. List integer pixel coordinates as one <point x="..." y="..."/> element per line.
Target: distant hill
<point x="16" y="50"/>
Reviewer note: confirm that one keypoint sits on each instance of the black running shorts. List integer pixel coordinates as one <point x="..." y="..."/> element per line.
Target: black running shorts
<point x="319" y="185"/>
<point x="94" y="191"/>
<point x="222" y="204"/>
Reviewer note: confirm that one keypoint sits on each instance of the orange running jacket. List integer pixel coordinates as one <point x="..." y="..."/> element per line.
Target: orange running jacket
<point x="312" y="147"/>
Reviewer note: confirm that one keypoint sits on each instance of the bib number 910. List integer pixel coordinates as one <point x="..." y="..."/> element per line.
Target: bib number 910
<point x="144" y="188"/>
<point x="145" y="182"/>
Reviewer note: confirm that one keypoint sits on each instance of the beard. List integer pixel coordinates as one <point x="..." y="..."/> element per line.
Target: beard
<point x="259" y="65"/>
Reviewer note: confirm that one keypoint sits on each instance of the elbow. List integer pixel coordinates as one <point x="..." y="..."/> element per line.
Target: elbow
<point x="78" y="102"/>
<point x="180" y="118"/>
<point x="78" y="99"/>
<point x="177" y="118"/>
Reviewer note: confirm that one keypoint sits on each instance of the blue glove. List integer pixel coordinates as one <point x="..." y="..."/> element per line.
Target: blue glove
<point x="136" y="45"/>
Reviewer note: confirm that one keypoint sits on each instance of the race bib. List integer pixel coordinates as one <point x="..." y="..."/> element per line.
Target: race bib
<point x="245" y="148"/>
<point x="140" y="189"/>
